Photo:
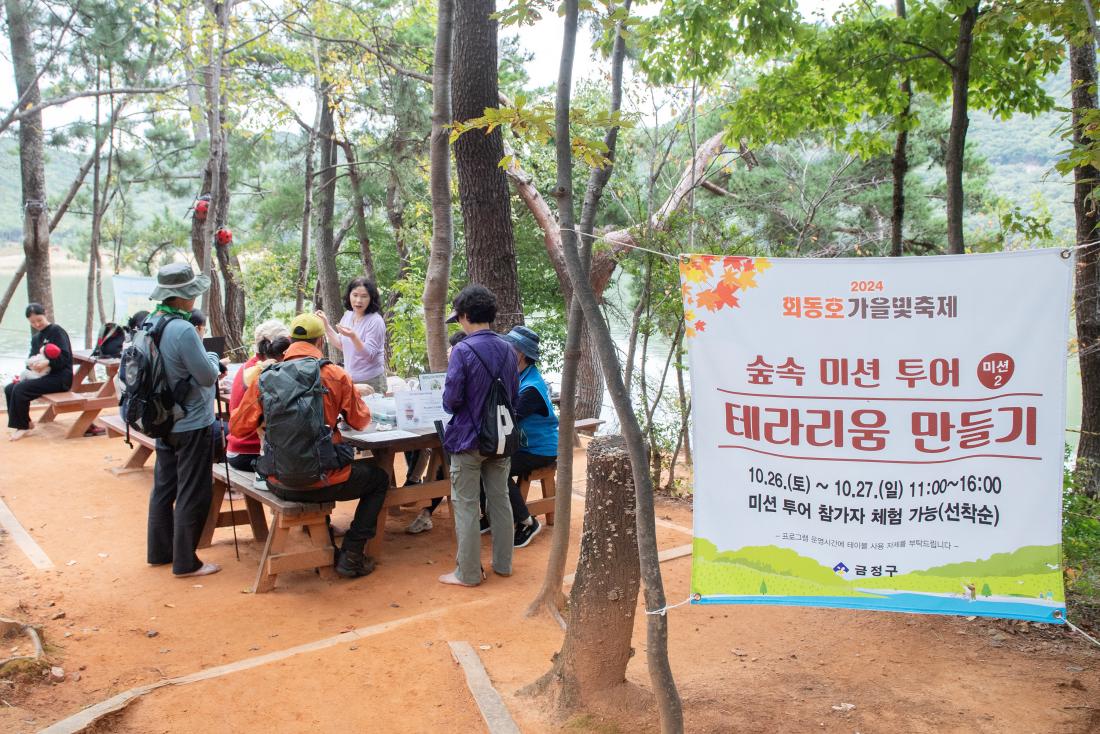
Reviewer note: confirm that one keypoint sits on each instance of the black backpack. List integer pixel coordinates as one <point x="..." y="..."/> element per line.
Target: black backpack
<point x="498" y="435"/>
<point x="298" y="446"/>
<point x="109" y="344"/>
<point x="148" y="402"/>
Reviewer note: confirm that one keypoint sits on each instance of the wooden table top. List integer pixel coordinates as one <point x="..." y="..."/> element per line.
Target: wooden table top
<point x="85" y="355"/>
<point x="394" y="439"/>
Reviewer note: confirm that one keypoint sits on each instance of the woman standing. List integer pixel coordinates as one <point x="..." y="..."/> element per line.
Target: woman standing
<point x="361" y="335"/>
<point x="50" y="341"/>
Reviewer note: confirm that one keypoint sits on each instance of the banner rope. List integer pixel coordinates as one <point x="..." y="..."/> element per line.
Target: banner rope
<point x="664" y="610"/>
<point x="1081" y="632"/>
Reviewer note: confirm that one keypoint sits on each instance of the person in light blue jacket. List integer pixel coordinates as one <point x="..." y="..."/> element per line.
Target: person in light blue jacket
<point x="182" y="480"/>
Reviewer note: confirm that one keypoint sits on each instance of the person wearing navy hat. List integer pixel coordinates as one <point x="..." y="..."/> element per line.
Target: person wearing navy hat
<point x="538" y="430"/>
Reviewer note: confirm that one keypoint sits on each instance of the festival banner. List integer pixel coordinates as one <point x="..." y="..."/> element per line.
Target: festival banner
<point x="880" y="433"/>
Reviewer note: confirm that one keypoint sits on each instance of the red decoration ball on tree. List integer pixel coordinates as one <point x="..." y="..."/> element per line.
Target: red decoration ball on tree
<point x="223" y="236"/>
<point x="202" y="206"/>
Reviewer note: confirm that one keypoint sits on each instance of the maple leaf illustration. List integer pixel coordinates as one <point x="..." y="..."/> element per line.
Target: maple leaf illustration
<point x="700" y="325"/>
<point x="725" y="295"/>
<point x="689" y="315"/>
<point x="689" y="332"/>
<point x="761" y="264"/>
<point x="709" y="300"/>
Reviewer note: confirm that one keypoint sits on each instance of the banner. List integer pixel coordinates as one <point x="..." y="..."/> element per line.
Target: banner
<point x="880" y="433"/>
<point x="132" y="295"/>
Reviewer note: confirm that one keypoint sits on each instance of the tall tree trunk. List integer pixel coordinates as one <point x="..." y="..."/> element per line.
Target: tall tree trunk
<point x="36" y="231"/>
<point x="956" y="138"/>
<point x="660" y="672"/>
<point x="360" y="204"/>
<point x="900" y="161"/>
<point x="1082" y="70"/>
<point x="591" y="666"/>
<point x="482" y="185"/>
<point x="439" y="260"/>
<point x="302" y="280"/>
<point x="93" y="245"/>
<point x="327" y="273"/>
<point x="550" y="597"/>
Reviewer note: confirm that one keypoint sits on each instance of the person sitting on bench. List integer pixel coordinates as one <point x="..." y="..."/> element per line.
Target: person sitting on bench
<point x="272" y="339"/>
<point x="538" y="431"/>
<point x="50" y="344"/>
<point x="306" y="462"/>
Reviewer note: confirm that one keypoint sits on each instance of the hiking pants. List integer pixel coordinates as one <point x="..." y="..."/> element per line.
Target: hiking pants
<point x="20" y="394"/>
<point x="469" y="472"/>
<point x="367" y="483"/>
<point x="182" y="493"/>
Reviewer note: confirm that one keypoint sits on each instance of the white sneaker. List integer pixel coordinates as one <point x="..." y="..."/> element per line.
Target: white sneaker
<point x="420" y="524"/>
<point x="259" y="483"/>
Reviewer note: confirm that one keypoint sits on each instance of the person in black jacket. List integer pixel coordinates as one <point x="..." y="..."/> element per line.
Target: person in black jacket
<point x="51" y="341"/>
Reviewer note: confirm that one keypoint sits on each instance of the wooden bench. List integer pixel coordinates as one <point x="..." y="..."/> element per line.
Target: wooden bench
<point x="285" y="516"/>
<point x="72" y="402"/>
<point x="546" y="478"/>
<point x="115" y="426"/>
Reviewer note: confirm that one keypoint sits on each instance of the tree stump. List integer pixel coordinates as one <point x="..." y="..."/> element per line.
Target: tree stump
<point x="596" y="649"/>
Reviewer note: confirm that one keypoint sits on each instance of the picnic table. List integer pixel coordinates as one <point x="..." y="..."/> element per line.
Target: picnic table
<point x="384" y="446"/>
<point x="85" y="398"/>
<point x="84" y="379"/>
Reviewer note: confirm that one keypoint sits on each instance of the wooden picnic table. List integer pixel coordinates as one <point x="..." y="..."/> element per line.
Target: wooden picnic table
<point x="85" y="398"/>
<point x="84" y="377"/>
<point x="384" y="447"/>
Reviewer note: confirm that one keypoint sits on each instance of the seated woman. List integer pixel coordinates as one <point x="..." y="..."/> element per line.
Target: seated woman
<point x="53" y="355"/>
<point x="272" y="339"/>
<point x="538" y="430"/>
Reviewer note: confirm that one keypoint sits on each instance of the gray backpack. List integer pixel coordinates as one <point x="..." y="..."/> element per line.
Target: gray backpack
<point x="298" y="446"/>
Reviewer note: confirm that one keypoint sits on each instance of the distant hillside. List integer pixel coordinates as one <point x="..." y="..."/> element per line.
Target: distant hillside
<point x="1022" y="151"/>
<point x="62" y="165"/>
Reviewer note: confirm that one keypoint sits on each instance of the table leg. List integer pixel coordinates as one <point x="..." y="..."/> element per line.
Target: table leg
<point x="82" y="423"/>
<point x="80" y="376"/>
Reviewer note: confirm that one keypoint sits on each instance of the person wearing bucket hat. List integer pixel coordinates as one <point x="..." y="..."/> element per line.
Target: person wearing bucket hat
<point x="538" y="431"/>
<point x="182" y="492"/>
<point x="51" y="344"/>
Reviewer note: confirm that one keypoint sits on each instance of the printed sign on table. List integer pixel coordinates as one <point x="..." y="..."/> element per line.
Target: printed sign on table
<point x="419" y="408"/>
<point x="880" y="433"/>
<point x="132" y="295"/>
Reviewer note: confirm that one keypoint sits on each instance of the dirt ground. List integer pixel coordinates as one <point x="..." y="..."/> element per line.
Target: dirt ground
<point x="739" y="669"/>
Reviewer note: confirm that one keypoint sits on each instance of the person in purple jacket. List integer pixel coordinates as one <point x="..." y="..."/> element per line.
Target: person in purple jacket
<point x="475" y="362"/>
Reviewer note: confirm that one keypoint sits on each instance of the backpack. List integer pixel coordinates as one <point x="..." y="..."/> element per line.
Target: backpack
<point x="498" y="435"/>
<point x="148" y="402"/>
<point x="298" y="446"/>
<point x="109" y="344"/>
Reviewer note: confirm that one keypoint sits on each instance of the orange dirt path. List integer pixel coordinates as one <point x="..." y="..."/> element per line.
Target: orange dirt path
<point x="739" y="669"/>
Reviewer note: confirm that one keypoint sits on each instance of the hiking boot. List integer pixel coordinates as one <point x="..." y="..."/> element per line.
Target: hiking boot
<point x="525" y="533"/>
<point x="484" y="525"/>
<point x="353" y="564"/>
<point x="422" y="522"/>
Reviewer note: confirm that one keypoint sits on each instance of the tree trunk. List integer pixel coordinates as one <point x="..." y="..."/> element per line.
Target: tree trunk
<point x="327" y="273"/>
<point x="579" y="357"/>
<point x="93" y="246"/>
<point x="360" y="205"/>
<point x="302" y="281"/>
<point x="482" y="185"/>
<point x="660" y="672"/>
<point x="1082" y="69"/>
<point x="439" y="259"/>
<point x="900" y="161"/>
<point x="956" y="138"/>
<point x="592" y="663"/>
<point x="36" y="231"/>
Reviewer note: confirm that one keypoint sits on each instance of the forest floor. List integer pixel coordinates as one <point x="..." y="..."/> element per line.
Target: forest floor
<point x="114" y="623"/>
